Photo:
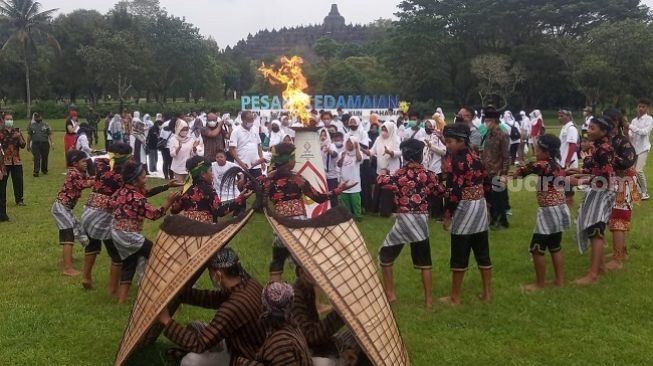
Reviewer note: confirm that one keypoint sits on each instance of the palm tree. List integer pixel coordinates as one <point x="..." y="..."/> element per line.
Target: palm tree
<point x="28" y="25"/>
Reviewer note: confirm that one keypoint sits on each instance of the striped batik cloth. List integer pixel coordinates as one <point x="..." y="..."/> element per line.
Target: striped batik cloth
<point x="552" y="219"/>
<point x="97" y="223"/>
<point x="596" y="208"/>
<point x="471" y="217"/>
<point x="408" y="228"/>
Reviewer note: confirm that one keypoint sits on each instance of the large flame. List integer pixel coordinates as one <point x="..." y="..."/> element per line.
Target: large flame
<point x="290" y="74"/>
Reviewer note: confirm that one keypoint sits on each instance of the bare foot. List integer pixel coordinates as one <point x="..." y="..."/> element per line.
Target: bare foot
<point x="613" y="265"/>
<point x="448" y="300"/>
<point x="428" y="304"/>
<point x="486" y="298"/>
<point x="587" y="280"/>
<point x="532" y="287"/>
<point x="558" y="284"/>
<point x="87" y="284"/>
<point x="71" y="272"/>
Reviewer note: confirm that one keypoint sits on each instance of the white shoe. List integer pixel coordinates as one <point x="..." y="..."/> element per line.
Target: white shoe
<point x="646" y="197"/>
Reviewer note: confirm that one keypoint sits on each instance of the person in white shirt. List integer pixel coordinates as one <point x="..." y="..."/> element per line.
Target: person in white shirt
<point x="640" y="132"/>
<point x="434" y="150"/>
<point x="349" y="164"/>
<point x="219" y="167"/>
<point x="525" y="137"/>
<point x="183" y="148"/>
<point x="388" y="160"/>
<point x="569" y="138"/>
<point x="587" y="114"/>
<point x="515" y="139"/>
<point x="330" y="149"/>
<point x="413" y="129"/>
<point x="327" y="119"/>
<point x="245" y="145"/>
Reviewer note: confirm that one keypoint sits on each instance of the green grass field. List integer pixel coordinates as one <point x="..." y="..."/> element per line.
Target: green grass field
<point x="47" y="319"/>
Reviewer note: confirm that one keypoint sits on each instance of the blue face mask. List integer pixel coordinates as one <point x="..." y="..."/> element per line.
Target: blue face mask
<point x="411" y="124"/>
<point x="9" y="123"/>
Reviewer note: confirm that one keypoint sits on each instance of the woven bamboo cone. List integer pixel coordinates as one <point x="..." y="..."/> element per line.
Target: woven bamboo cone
<point x="174" y="262"/>
<point x="335" y="255"/>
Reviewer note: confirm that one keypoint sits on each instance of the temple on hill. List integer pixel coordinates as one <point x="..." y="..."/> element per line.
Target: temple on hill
<point x="268" y="43"/>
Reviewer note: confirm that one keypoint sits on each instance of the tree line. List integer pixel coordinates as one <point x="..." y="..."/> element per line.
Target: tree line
<point x="513" y="53"/>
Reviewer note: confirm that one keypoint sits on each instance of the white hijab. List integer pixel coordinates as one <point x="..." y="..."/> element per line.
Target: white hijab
<point x="181" y="124"/>
<point x="392" y="143"/>
<point x="276" y="137"/>
<point x="360" y="133"/>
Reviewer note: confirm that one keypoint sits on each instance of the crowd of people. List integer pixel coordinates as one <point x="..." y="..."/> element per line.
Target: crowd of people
<point x="416" y="168"/>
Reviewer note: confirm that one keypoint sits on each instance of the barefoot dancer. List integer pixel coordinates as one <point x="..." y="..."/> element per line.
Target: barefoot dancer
<point x="597" y="204"/>
<point x="286" y="190"/>
<point x="466" y="213"/>
<point x="130" y="209"/>
<point x="199" y="200"/>
<point x="628" y="190"/>
<point x="62" y="209"/>
<point x="553" y="215"/>
<point x="413" y="186"/>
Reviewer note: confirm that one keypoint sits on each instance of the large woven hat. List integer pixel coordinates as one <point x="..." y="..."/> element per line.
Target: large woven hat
<point x="182" y="249"/>
<point x="332" y="250"/>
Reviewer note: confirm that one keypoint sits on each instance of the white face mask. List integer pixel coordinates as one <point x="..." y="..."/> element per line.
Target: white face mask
<point x="9" y="123"/>
<point x="212" y="124"/>
<point x="248" y="125"/>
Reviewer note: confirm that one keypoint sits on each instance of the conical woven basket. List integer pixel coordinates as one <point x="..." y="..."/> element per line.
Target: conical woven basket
<point x="182" y="249"/>
<point x="332" y="250"/>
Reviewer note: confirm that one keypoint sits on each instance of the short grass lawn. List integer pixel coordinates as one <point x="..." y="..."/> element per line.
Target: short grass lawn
<point x="48" y="319"/>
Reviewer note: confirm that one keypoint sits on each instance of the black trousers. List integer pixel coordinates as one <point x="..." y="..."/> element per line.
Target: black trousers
<point x="137" y="152"/>
<point x="16" y="173"/>
<point x="167" y="162"/>
<point x="40" y="151"/>
<point x="94" y="135"/>
<point x="367" y="181"/>
<point x="130" y="263"/>
<point x="498" y="199"/>
<point x="332" y="183"/>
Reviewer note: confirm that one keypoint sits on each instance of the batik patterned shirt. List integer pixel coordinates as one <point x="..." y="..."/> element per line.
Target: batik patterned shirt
<point x="72" y="188"/>
<point x="599" y="164"/>
<point x="285" y="190"/>
<point x="463" y="170"/>
<point x="130" y="209"/>
<point x="201" y="198"/>
<point x="11" y="146"/>
<point x="412" y="186"/>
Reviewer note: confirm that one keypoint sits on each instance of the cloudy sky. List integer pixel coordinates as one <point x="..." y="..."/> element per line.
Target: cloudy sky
<point x="228" y="21"/>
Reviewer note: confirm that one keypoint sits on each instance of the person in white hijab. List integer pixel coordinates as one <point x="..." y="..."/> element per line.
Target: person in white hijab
<point x="115" y="129"/>
<point x="439" y="110"/>
<point x="525" y="137"/>
<point x="510" y="121"/>
<point x="388" y="160"/>
<point x="183" y="148"/>
<point x="386" y="149"/>
<point x="356" y="130"/>
<point x="275" y="135"/>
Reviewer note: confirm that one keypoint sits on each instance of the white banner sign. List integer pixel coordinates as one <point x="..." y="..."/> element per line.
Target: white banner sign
<point x="309" y="165"/>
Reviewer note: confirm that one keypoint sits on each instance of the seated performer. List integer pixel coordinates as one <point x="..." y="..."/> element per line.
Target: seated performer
<point x="199" y="200"/>
<point x="321" y="335"/>
<point x="237" y="320"/>
<point x="130" y="208"/>
<point x="285" y="344"/>
<point x="286" y="190"/>
<point x="62" y="209"/>
<point x="413" y="187"/>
